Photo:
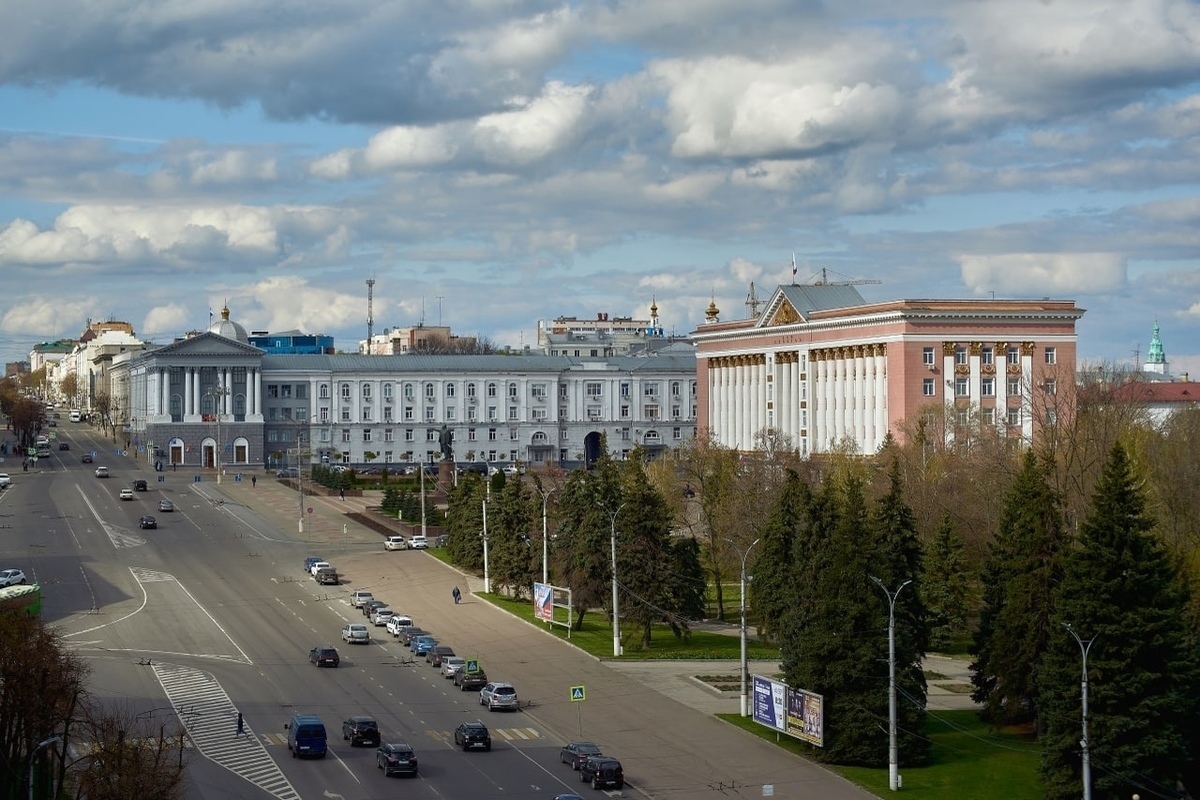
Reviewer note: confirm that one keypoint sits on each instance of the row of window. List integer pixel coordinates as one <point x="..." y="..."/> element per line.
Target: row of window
<point x="432" y="434"/>
<point x="450" y="413"/>
<point x="537" y="391"/>
<point x="987" y="355"/>
<point x="987" y="387"/>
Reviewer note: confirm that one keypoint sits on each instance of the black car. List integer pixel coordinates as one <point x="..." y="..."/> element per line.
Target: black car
<point x="64" y="446"/>
<point x="327" y="576"/>
<point x="371" y="605"/>
<point x="602" y="772"/>
<point x="147" y="521"/>
<point x="324" y="656"/>
<point x="140" y="485"/>
<point x="472" y="734"/>
<point x="412" y="633"/>
<point x="438" y="652"/>
<point x="86" y="459"/>
<point x="575" y="753"/>
<point x="396" y="757"/>
<point x="468" y="681"/>
<point x="361" y="730"/>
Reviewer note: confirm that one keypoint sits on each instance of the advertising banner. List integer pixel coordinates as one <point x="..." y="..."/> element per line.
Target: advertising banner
<point x="769" y="700"/>
<point x="806" y="716"/>
<point x="543" y="601"/>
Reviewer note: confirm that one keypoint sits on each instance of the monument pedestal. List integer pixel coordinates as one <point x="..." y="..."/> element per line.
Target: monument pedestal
<point x="445" y="475"/>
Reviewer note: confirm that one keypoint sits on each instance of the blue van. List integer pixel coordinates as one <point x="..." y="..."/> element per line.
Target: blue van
<point x="306" y="736"/>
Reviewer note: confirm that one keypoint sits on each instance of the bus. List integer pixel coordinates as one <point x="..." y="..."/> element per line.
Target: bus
<point x="27" y="597"/>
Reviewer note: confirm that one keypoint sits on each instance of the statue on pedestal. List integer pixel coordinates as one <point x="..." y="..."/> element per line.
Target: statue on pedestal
<point x="446" y="443"/>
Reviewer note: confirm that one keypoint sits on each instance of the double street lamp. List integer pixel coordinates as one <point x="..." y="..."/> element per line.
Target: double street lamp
<point x="39" y="747"/>
<point x="893" y="748"/>
<point x="745" y="669"/>
<point x="1086" y="767"/>
<point x="612" y="518"/>
<point x="545" y="537"/>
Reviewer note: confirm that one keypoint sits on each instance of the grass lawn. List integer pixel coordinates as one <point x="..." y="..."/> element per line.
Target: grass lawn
<point x="596" y="637"/>
<point x="969" y="760"/>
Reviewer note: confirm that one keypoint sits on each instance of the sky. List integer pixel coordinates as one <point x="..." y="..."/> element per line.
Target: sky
<point x="490" y="163"/>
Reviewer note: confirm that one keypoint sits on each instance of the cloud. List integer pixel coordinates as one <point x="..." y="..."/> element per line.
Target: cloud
<point x="165" y="320"/>
<point x="1056" y="274"/>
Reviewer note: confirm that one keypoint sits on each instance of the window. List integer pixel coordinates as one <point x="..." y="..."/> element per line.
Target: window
<point x="565" y="435"/>
<point x="429" y="391"/>
<point x="512" y="391"/>
<point x="1051" y="416"/>
<point x="451" y="412"/>
<point x="387" y="391"/>
<point x="562" y="392"/>
<point x="272" y="390"/>
<point x="624" y="412"/>
<point x="650" y="390"/>
<point x="987" y="416"/>
<point x="961" y="387"/>
<point x="491" y="434"/>
<point x="624" y="434"/>
<point x="387" y="413"/>
<point x="408" y="435"/>
<point x="431" y="435"/>
<point x="450" y="389"/>
<point x="1014" y="387"/>
<point x="512" y="413"/>
<point x="961" y="416"/>
<point x="675" y="389"/>
<point x="366" y="414"/>
<point x="1051" y="355"/>
<point x="345" y="391"/>
<point x="408" y="413"/>
<point x="472" y="413"/>
<point x="324" y="414"/>
<point x="539" y="414"/>
<point x="960" y="355"/>
<point x="272" y="436"/>
<point x="491" y="414"/>
<point x="366" y="391"/>
<point x="1014" y="416"/>
<point x="408" y="391"/>
<point x="595" y="389"/>
<point x="366" y="434"/>
<point x="389" y="436"/>
<point x="927" y="388"/>
<point x="987" y="356"/>
<point x="512" y="434"/>
<point x="346" y="414"/>
<point x="301" y="391"/>
<point x="676" y="412"/>
<point x="650" y="412"/>
<point x="471" y="390"/>
<point x="471" y="436"/>
<point x="323" y="391"/>
<point x="272" y="414"/>
<point x="927" y="356"/>
<point x="676" y="433"/>
<point x="1051" y="386"/>
<point x="624" y="390"/>
<point x="286" y="391"/>
<point x="345" y="434"/>
<point x="1014" y="355"/>
<point x="593" y="412"/>
<point x="987" y="387"/>
<point x="430" y="413"/>
<point x="491" y="390"/>
<point x="538" y="391"/>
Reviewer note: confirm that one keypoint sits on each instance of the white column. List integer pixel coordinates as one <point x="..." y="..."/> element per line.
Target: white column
<point x="729" y="431"/>
<point x="189" y="377"/>
<point x="881" y="395"/>
<point x="866" y="401"/>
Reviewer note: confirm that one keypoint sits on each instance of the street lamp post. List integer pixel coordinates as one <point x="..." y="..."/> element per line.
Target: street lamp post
<point x="612" y="519"/>
<point x="545" y="535"/>
<point x="1086" y="766"/>
<point x="745" y="669"/>
<point x="39" y="747"/>
<point x="893" y="749"/>
<point x="487" y="578"/>
<point x="217" y="393"/>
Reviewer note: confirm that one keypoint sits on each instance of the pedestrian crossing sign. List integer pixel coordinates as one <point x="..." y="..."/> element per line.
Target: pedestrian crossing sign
<point x="472" y="666"/>
<point x="577" y="694"/>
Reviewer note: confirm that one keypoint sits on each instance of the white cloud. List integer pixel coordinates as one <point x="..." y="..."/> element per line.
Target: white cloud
<point x="165" y="319"/>
<point x="1051" y="274"/>
<point x="539" y="128"/>
<point x="408" y="147"/>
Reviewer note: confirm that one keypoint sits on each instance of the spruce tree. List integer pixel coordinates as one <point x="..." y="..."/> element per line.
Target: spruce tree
<point x="581" y="548"/>
<point x="1121" y="586"/>
<point x="946" y="586"/>
<point x="773" y="562"/>
<point x="1023" y="568"/>
<point x="644" y="555"/>
<point x="510" y="553"/>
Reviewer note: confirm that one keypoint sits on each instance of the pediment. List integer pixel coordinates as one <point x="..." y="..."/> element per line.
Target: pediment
<point x="207" y="345"/>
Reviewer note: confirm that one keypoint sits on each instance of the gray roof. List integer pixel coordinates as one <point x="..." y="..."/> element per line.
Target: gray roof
<point x="807" y="298"/>
<point x="497" y="364"/>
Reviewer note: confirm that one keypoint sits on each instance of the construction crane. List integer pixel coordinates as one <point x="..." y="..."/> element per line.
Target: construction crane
<point x="752" y="301"/>
<point x="824" y="281"/>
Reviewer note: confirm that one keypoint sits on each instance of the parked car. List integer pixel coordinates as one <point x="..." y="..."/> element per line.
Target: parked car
<point x="450" y="665"/>
<point x="324" y="656"/>
<point x="381" y="615"/>
<point x="602" y="772"/>
<point x="413" y="632"/>
<point x="472" y="734"/>
<point x="422" y="644"/>
<point x="397" y="624"/>
<point x="5" y="480"/>
<point x="418" y="542"/>
<point x="328" y="577"/>
<point x="101" y="472"/>
<point x="356" y="633"/>
<point x="395" y="543"/>
<point x="575" y="753"/>
<point x="360" y="729"/>
<point x="396" y="758"/>
<point x="140" y="485"/>
<point x="369" y="607"/>
<point x="470" y="681"/>
<point x="434" y="655"/>
<point x="308" y="563"/>
<point x="12" y="577"/>
<point x="499" y="695"/>
<point x="166" y="505"/>
<point x="289" y="472"/>
<point x="86" y="458"/>
<point x="126" y="493"/>
<point x="147" y="521"/>
<point x="359" y="596"/>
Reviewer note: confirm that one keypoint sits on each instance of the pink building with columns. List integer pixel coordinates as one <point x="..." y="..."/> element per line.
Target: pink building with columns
<point x="822" y="366"/>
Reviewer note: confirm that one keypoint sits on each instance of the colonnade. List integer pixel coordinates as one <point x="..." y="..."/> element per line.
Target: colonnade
<point x="224" y="384"/>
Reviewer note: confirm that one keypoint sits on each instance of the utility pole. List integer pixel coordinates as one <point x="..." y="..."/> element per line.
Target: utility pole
<point x="612" y="518"/>
<point x="745" y="669"/>
<point x="893" y="748"/>
<point x="1086" y="767"/>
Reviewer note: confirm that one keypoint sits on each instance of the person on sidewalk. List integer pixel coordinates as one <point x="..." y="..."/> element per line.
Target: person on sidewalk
<point x="342" y="494"/>
<point x="253" y="481"/>
<point x="241" y="726"/>
<point x="457" y="595"/>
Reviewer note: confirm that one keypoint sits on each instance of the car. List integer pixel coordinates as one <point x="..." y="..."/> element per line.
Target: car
<point x="469" y="735"/>
<point x="470" y="681"/>
<point x="360" y="596"/>
<point x="308" y="563"/>
<point x="52" y="424"/>
<point x="64" y="446"/>
<point x="396" y="758"/>
<point x="86" y="458"/>
<point x="328" y="577"/>
<point x="166" y="505"/>
<point x="395" y="543"/>
<point x="289" y="472"/>
<point x="397" y="624"/>
<point x="5" y="480"/>
<point x="381" y="615"/>
<point x="101" y="472"/>
<point x="450" y="665"/>
<point x="575" y="753"/>
<point x="147" y="521"/>
<point x="356" y="633"/>
<point x="407" y="636"/>
<point x="126" y="493"/>
<point x="369" y="607"/>
<point x="435" y="655"/>
<point x="422" y="644"/>
<point x="499" y="695"/>
<point x="324" y="656"/>
<point x="418" y="542"/>
<point x="603" y="773"/>
<point x="12" y="577"/>
<point x="140" y="485"/>
<point x="361" y="729"/>
<point x="318" y="565"/>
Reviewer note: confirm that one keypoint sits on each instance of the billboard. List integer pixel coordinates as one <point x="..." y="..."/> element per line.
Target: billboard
<point x="543" y="601"/>
<point x="796" y="712"/>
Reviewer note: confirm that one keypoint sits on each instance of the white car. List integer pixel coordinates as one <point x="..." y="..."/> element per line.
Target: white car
<point x="395" y="543"/>
<point x="381" y="615"/>
<point x="317" y="565"/>
<point x="11" y="577"/>
<point x="450" y="664"/>
<point x="101" y="472"/>
<point x="356" y="633"/>
<point x="127" y="494"/>
<point x="397" y="622"/>
<point x="5" y="481"/>
<point x="418" y="542"/>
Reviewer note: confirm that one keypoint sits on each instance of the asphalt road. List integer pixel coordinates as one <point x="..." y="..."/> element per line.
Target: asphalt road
<point x="212" y="615"/>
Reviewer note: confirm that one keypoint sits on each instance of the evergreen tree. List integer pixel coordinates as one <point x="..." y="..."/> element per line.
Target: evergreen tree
<point x="688" y="584"/>
<point x="581" y="549"/>
<point x="946" y="586"/>
<point x="510" y="556"/>
<point x="1121" y="586"/>
<point x="774" y="564"/>
<point x="1023" y="568"/>
<point x="464" y="523"/>
<point x="644" y="553"/>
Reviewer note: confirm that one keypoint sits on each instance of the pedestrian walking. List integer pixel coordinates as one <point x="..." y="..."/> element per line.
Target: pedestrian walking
<point x="253" y="481"/>
<point x="241" y="726"/>
<point x="342" y="494"/>
<point x="457" y="595"/>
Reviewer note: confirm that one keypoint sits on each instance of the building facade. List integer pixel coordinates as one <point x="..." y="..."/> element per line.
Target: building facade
<point x="825" y="369"/>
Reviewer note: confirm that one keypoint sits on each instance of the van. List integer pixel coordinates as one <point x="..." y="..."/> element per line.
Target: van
<point x="306" y="736"/>
<point x="76" y="416"/>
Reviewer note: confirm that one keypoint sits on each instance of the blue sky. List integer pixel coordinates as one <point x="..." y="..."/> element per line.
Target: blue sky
<point x="531" y="159"/>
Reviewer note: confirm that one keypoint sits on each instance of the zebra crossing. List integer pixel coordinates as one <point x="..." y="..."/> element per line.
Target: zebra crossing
<point x="211" y="719"/>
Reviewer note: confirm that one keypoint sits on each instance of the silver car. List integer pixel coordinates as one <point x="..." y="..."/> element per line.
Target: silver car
<point x="499" y="695"/>
<point x="356" y="633"/>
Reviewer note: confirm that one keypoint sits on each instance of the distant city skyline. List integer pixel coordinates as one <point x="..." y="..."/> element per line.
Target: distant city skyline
<point x="492" y="165"/>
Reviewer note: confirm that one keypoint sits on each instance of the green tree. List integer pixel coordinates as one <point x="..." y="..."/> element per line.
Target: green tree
<point x="644" y="557"/>
<point x="709" y="473"/>
<point x="946" y="586"/>
<point x="1022" y="571"/>
<point x="1121" y="586"/>
<point x="464" y="523"/>
<point x="778" y="561"/>
<point x="581" y="549"/>
<point x="510" y="558"/>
